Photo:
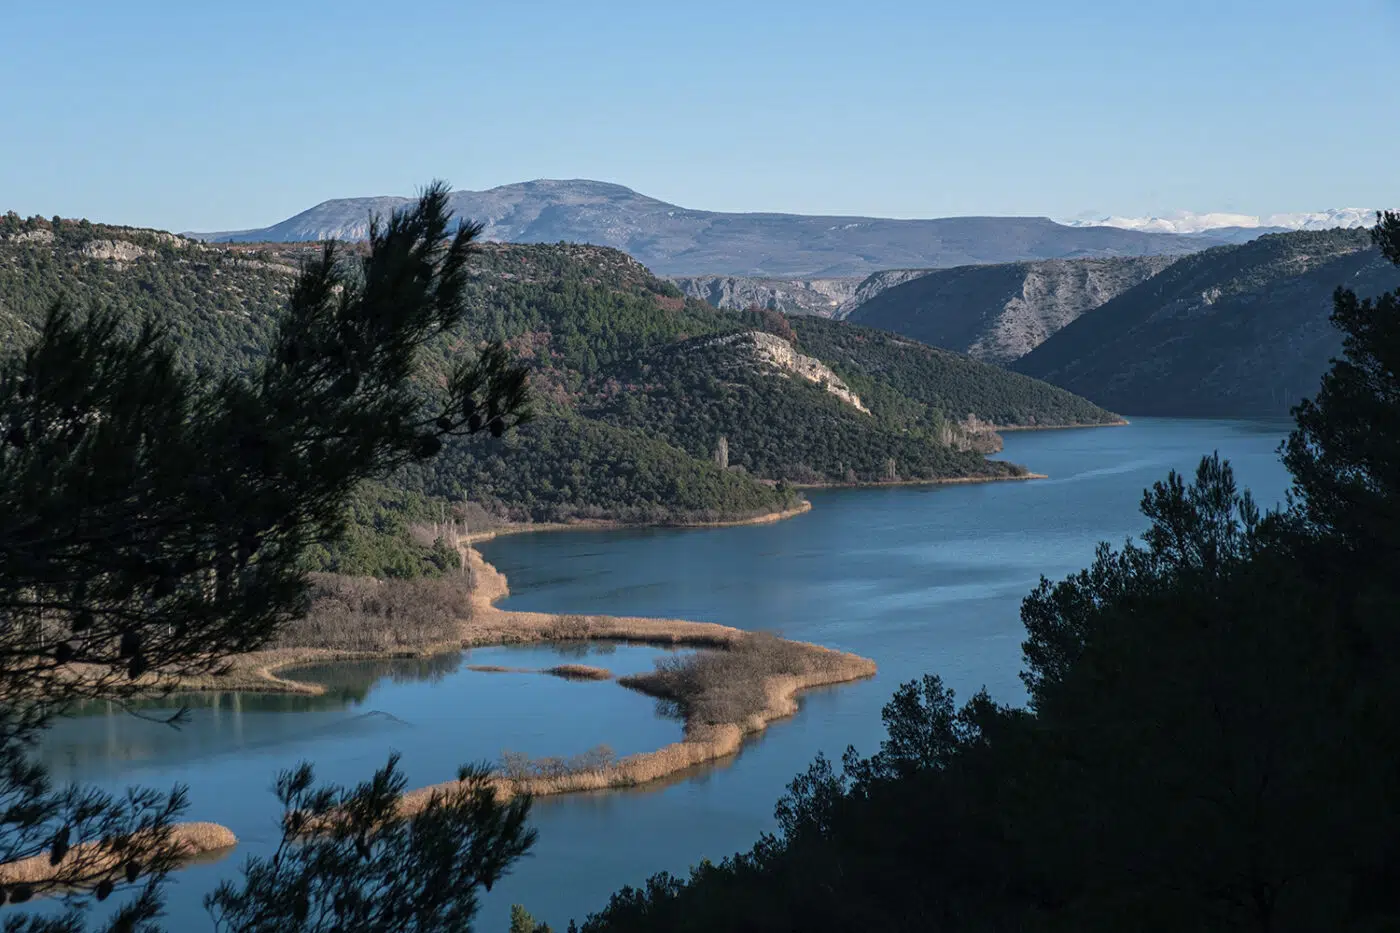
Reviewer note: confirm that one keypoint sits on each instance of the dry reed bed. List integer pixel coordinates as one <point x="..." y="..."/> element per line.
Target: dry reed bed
<point x="481" y="624"/>
<point x="191" y="840"/>
<point x="722" y="695"/>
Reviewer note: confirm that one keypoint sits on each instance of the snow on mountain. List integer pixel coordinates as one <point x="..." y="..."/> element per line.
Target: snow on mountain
<point x="1191" y="222"/>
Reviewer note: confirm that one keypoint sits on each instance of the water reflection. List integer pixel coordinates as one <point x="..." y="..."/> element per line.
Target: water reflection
<point x="350" y="682"/>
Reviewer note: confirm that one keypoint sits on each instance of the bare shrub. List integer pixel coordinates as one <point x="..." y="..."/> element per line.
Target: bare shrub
<point x="730" y="686"/>
<point x="364" y="614"/>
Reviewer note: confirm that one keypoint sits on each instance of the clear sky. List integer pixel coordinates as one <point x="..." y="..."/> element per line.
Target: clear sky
<point x="203" y="115"/>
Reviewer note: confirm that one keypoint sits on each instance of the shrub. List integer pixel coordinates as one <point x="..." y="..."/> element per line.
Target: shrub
<point x="364" y="614"/>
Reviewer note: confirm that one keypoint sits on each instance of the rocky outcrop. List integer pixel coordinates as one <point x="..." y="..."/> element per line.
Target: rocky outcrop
<point x="777" y="353"/>
<point x="113" y="250"/>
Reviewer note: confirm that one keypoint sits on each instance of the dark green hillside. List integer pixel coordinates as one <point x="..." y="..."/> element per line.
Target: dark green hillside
<point x="947" y="382"/>
<point x="580" y="308"/>
<point x="1235" y="330"/>
<point x="633" y="400"/>
<point x="217" y="303"/>
<point x="568" y="468"/>
<point x="779" y="426"/>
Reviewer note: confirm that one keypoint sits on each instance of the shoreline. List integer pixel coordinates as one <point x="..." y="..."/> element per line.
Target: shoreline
<point x="939" y="481"/>
<point x="489" y="625"/>
<point x="1120" y="423"/>
<point x="607" y="524"/>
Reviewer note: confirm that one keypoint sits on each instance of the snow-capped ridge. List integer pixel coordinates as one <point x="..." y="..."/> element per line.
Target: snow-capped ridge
<point x="1188" y="222"/>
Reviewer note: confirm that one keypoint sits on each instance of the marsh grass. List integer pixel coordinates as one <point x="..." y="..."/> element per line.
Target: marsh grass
<point x="192" y="842"/>
<point x="521" y="770"/>
<point x="578" y="672"/>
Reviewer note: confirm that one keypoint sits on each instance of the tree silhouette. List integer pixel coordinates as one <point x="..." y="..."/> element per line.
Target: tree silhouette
<point x="152" y="523"/>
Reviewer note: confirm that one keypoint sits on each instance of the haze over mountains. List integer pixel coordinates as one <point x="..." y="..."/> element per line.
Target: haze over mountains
<point x="673" y="240"/>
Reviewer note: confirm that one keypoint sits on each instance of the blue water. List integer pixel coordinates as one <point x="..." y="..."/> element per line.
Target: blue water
<point x="918" y="578"/>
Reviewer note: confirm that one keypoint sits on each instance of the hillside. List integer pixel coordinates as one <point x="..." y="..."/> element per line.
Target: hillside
<point x="1001" y="312"/>
<point x="673" y="240"/>
<point x="1236" y="330"/>
<point x="636" y="384"/>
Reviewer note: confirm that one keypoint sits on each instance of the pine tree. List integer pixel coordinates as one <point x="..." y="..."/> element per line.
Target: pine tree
<point x="152" y="524"/>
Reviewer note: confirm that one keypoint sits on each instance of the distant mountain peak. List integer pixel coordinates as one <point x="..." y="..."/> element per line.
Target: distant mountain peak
<point x="674" y="240"/>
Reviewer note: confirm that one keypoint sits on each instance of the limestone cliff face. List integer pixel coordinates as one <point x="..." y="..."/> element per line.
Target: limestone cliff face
<point x="829" y="297"/>
<point x="821" y="297"/>
<point x="777" y="353"/>
<point x="113" y="250"/>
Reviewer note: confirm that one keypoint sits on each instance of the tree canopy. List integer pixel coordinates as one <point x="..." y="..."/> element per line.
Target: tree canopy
<point x="1211" y="741"/>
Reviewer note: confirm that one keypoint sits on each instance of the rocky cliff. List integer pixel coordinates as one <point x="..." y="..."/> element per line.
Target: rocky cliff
<point x="1001" y="312"/>
<point x="821" y="297"/>
<point x="833" y="298"/>
<point x="779" y="354"/>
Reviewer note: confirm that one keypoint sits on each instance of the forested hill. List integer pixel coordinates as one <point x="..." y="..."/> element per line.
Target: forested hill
<point x="1232" y="331"/>
<point x="637" y="385"/>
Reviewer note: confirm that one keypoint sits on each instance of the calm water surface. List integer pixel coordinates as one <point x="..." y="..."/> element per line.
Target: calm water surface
<point x="918" y="578"/>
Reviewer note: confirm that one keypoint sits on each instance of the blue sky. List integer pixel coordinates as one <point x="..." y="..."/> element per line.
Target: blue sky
<point x="216" y="116"/>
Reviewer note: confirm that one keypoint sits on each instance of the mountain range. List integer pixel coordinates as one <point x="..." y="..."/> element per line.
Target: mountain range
<point x="673" y="240"/>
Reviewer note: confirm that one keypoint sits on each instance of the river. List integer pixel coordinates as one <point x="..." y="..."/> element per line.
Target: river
<point x="921" y="579"/>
